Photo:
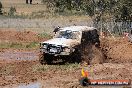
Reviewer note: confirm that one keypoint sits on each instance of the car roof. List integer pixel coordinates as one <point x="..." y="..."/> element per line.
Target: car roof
<point x="77" y="28"/>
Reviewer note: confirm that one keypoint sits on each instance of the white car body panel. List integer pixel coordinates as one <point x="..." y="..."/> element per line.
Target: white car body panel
<point x="62" y="41"/>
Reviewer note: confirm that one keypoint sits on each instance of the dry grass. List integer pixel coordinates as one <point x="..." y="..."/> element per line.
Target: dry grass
<point x="22" y="7"/>
<point x="43" y="23"/>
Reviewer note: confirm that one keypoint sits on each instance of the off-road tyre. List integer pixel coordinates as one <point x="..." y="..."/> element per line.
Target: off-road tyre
<point x="48" y="59"/>
<point x="41" y="58"/>
<point x="45" y="58"/>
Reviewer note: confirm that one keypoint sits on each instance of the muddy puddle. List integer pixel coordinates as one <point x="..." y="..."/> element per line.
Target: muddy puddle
<point x="30" y="85"/>
<point x="18" y="55"/>
<point x="44" y="85"/>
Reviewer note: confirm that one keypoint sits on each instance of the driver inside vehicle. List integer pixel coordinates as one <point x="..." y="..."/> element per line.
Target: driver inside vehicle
<point x="67" y="34"/>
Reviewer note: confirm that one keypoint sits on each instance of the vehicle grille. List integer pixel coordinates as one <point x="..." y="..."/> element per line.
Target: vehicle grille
<point x="54" y="49"/>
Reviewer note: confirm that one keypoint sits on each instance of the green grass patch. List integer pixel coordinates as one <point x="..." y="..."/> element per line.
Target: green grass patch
<point x="66" y="67"/>
<point x="16" y="45"/>
<point x="11" y="45"/>
<point x="44" y="35"/>
<point x="32" y="45"/>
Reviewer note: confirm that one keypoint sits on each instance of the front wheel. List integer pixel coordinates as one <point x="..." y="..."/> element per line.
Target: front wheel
<point x="41" y="58"/>
<point x="48" y="59"/>
<point x="45" y="58"/>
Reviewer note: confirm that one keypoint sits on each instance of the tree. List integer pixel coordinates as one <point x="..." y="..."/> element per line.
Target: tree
<point x="1" y="8"/>
<point x="116" y="9"/>
<point x="26" y="1"/>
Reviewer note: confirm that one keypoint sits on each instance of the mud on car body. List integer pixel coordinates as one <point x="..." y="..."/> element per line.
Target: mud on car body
<point x="67" y="42"/>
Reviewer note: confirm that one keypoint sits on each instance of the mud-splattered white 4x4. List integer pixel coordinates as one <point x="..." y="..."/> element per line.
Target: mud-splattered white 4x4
<point x="67" y="44"/>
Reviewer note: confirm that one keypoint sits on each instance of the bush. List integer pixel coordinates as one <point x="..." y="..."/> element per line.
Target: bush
<point x="12" y="11"/>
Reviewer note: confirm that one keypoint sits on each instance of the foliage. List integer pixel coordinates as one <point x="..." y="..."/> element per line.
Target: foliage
<point x="117" y="9"/>
<point x="12" y="11"/>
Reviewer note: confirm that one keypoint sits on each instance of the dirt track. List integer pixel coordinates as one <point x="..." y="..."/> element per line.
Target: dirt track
<point x="118" y="63"/>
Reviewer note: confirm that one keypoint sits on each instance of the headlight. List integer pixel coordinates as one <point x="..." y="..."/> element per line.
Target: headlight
<point x="67" y="49"/>
<point x="45" y="46"/>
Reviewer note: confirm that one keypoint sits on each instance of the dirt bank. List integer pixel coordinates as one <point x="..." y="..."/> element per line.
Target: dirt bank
<point x="117" y="50"/>
<point x="19" y="36"/>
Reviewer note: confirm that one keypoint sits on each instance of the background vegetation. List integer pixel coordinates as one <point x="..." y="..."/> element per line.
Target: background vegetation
<point x="1" y="8"/>
<point x="114" y="16"/>
<point x="120" y="10"/>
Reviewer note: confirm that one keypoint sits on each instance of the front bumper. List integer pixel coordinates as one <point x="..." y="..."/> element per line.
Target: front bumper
<point x="55" y="53"/>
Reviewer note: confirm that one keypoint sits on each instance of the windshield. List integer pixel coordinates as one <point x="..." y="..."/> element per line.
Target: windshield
<point x="67" y="34"/>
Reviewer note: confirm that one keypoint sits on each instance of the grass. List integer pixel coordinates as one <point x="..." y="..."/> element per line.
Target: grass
<point x="32" y="45"/>
<point x="21" y="6"/>
<point x="16" y="45"/>
<point x="36" y="10"/>
<point x="44" y="35"/>
<point x="66" y="67"/>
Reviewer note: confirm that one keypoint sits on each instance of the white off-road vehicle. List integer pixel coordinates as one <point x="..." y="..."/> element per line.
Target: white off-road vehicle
<point x="68" y="44"/>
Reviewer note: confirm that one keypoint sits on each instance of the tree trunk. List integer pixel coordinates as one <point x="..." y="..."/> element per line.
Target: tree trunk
<point x="26" y="1"/>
